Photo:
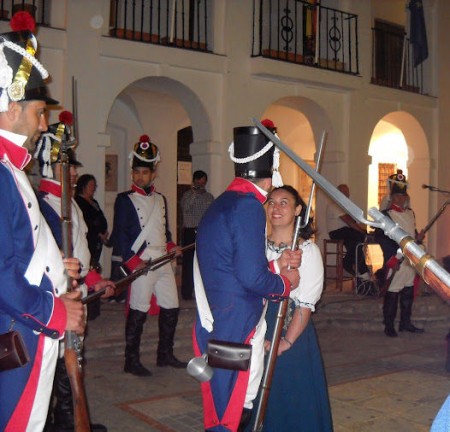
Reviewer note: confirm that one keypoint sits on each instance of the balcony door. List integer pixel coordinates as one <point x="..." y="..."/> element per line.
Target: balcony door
<point x="388" y="53"/>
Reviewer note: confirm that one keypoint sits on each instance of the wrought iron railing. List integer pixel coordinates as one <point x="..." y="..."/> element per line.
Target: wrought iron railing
<point x="179" y="23"/>
<point x="393" y="62"/>
<point x="306" y="33"/>
<point x="39" y="9"/>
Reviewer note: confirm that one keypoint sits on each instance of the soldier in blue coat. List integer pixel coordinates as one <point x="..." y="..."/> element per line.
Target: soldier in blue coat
<point x="140" y="233"/>
<point x="233" y="279"/>
<point x="48" y="154"/>
<point x="32" y="281"/>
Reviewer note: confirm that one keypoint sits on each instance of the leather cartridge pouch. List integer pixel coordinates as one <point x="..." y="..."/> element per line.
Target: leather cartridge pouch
<point x="229" y="355"/>
<point x="13" y="353"/>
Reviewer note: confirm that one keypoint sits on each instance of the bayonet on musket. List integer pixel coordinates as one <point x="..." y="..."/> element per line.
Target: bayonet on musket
<point x="281" y="314"/>
<point x="427" y="267"/>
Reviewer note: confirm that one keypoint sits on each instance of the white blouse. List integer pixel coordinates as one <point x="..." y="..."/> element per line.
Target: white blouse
<point x="311" y="272"/>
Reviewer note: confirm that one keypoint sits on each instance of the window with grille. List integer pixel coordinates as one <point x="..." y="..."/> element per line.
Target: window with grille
<point x="384" y="171"/>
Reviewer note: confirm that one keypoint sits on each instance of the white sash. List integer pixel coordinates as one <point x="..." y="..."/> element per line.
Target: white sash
<point x="35" y="269"/>
<point x="146" y="230"/>
<point x="204" y="311"/>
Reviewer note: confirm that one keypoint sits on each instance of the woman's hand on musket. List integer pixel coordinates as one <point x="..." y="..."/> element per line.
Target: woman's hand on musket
<point x="283" y="346"/>
<point x="290" y="259"/>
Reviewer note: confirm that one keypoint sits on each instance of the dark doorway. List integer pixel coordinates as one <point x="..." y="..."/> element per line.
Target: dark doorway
<point x="185" y="138"/>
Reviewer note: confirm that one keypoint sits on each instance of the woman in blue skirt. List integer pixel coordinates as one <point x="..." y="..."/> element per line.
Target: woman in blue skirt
<point x="298" y="397"/>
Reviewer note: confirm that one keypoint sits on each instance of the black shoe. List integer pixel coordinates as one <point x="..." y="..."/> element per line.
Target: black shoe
<point x="136" y="368"/>
<point x="95" y="427"/>
<point x="390" y="332"/>
<point x="171" y="360"/>
<point x="410" y="328"/>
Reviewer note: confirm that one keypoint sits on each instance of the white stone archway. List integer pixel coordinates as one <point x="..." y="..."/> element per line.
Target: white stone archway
<point x="158" y="107"/>
<point x="417" y="163"/>
<point x="301" y="123"/>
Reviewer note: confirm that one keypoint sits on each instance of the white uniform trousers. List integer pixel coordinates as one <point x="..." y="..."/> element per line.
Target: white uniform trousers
<point x="160" y="282"/>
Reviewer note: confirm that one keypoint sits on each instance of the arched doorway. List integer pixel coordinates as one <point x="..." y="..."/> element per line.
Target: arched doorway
<point x="158" y="107"/>
<point x="398" y="141"/>
<point x="301" y="123"/>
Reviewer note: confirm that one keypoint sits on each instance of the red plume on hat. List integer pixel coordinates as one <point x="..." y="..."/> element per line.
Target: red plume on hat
<point x="144" y="138"/>
<point x="268" y="123"/>
<point x="66" y="117"/>
<point x="21" y="21"/>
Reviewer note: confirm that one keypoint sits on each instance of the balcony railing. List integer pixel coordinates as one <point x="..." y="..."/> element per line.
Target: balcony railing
<point x="392" y="62"/>
<point x="178" y="23"/>
<point x="306" y="33"/>
<point x="39" y="9"/>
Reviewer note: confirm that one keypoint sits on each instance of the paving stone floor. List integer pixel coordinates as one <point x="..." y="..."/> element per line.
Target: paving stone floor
<point x="375" y="383"/>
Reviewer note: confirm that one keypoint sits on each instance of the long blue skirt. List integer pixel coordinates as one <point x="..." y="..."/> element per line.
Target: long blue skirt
<point x="298" y="398"/>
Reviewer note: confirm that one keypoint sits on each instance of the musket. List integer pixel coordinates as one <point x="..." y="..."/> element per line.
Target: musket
<point x="388" y="281"/>
<point x="281" y="314"/>
<point x="436" y="216"/>
<point x="122" y="284"/>
<point x="73" y="348"/>
<point x="425" y="265"/>
<point x="75" y="108"/>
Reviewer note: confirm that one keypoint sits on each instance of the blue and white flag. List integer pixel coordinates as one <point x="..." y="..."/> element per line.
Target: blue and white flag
<point x="418" y="32"/>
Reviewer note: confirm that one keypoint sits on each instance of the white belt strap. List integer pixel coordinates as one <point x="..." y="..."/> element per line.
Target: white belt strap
<point x="145" y="232"/>
<point x="35" y="269"/>
<point x="204" y="311"/>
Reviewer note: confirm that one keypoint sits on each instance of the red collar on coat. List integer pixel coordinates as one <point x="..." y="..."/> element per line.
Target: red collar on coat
<point x="244" y="186"/>
<point x="18" y="155"/>
<point x="51" y="187"/>
<point x="141" y="191"/>
<point x="396" y="208"/>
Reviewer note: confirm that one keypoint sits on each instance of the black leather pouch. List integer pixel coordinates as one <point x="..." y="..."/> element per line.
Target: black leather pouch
<point x="13" y="352"/>
<point x="229" y="355"/>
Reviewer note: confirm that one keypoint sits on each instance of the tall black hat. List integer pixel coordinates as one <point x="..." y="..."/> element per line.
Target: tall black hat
<point x="397" y="183"/>
<point x="254" y="156"/>
<point x="21" y="74"/>
<point x="145" y="154"/>
<point x="48" y="148"/>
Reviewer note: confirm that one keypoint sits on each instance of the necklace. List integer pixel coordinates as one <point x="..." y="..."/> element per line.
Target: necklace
<point x="277" y="248"/>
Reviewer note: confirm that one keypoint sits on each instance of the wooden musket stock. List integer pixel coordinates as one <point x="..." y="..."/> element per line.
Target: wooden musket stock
<point x="122" y="284"/>
<point x="281" y="315"/>
<point x="72" y="351"/>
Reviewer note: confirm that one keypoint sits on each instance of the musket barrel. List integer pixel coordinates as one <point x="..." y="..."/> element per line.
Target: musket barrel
<point x="441" y="280"/>
<point x="427" y="267"/>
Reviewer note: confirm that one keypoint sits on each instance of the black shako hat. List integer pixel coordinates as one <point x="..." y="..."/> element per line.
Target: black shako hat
<point x="398" y="183"/>
<point x="21" y="74"/>
<point x="253" y="154"/>
<point x="48" y="147"/>
<point x="145" y="154"/>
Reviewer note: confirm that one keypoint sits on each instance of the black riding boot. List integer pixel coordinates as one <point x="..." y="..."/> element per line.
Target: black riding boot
<point x="389" y="313"/>
<point x="63" y="411"/>
<point x="168" y="319"/>
<point x="63" y="415"/>
<point x="245" y="419"/>
<point x="133" y="332"/>
<point x="406" y="302"/>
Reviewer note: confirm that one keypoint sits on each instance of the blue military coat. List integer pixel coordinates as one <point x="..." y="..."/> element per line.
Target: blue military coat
<point x="230" y="248"/>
